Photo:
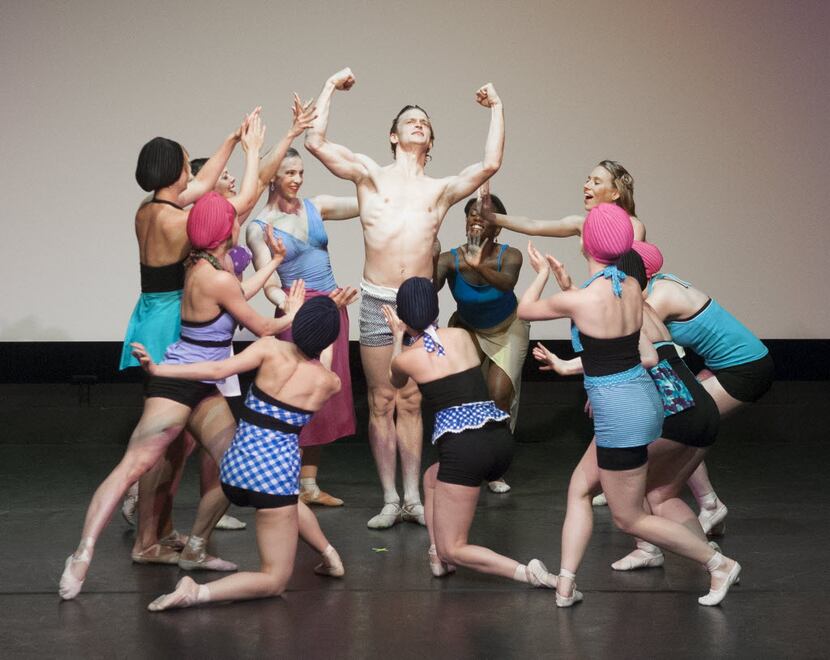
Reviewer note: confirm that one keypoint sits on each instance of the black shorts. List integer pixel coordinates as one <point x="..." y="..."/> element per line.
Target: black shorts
<point x="187" y="392"/>
<point x="749" y="381"/>
<point x="697" y="426"/>
<point x="251" y="498"/>
<point x="622" y="458"/>
<point x="475" y="455"/>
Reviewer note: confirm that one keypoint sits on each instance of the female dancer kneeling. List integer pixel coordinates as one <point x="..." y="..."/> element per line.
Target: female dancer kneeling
<point x="261" y="467"/>
<point x="628" y="414"/>
<point x="689" y="428"/>
<point x="472" y="434"/>
<point x="212" y="306"/>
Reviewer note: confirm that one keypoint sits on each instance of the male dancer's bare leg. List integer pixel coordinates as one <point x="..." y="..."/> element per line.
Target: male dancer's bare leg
<point x="382" y="433"/>
<point x="410" y="431"/>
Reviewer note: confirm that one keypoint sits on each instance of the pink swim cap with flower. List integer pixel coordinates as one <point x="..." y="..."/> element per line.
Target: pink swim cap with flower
<point x="607" y="233"/>
<point x="651" y="256"/>
<point x="210" y="221"/>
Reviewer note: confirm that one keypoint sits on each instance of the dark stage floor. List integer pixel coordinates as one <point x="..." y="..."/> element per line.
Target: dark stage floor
<point x="769" y="466"/>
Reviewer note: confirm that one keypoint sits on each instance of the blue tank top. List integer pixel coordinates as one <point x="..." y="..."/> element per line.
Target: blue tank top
<point x="306" y="260"/>
<point x="713" y="333"/>
<point x="481" y="305"/>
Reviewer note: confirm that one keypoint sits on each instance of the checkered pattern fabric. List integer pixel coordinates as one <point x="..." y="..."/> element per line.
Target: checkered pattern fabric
<point x="264" y="460"/>
<point x="465" y="417"/>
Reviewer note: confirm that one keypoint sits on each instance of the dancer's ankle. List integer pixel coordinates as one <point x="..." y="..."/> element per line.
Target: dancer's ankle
<point x="708" y="501"/>
<point x="85" y="550"/>
<point x="309" y="485"/>
<point x="203" y="595"/>
<point x="521" y="574"/>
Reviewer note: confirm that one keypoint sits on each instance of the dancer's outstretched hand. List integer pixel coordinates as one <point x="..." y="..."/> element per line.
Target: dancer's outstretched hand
<point x="304" y="115"/>
<point x="344" y="296"/>
<point x="254" y="134"/>
<point x="295" y="299"/>
<point x="397" y="326"/>
<point x="274" y="244"/>
<point x="487" y="96"/>
<point x="537" y="261"/>
<point x="543" y="355"/>
<point x="140" y="353"/>
<point x="560" y="273"/>
<point x="237" y="134"/>
<point x="343" y="80"/>
<point x="472" y="250"/>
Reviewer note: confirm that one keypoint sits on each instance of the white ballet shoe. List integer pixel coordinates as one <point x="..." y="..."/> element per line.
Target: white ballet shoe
<point x="498" y="486"/>
<point x="389" y="515"/>
<point x="713" y="520"/>
<point x="331" y="565"/>
<point x="645" y="555"/>
<point x="439" y="568"/>
<point x="599" y="500"/>
<point x="576" y="595"/>
<point x="715" y="596"/>
<point x="413" y="512"/>
<point x="187" y="594"/>
<point x="229" y="523"/>
<point x="538" y="575"/>
<point x="70" y="586"/>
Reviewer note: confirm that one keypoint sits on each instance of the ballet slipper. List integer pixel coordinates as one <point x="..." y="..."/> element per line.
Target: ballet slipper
<point x="199" y="560"/>
<point x="645" y="555"/>
<point x="187" y="594"/>
<point x="389" y="515"/>
<point x="574" y="598"/>
<point x="538" y="575"/>
<point x="320" y="497"/>
<point x="439" y="568"/>
<point x="716" y="568"/>
<point x="130" y="504"/>
<point x="498" y="486"/>
<point x="713" y="520"/>
<point x="70" y="586"/>
<point x="229" y="523"/>
<point x="599" y="500"/>
<point x="331" y="565"/>
<point x="175" y="540"/>
<point x="156" y="554"/>
<point x="413" y="512"/>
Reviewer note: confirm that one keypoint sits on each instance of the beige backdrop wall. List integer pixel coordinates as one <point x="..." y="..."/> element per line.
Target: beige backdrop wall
<point x="719" y="109"/>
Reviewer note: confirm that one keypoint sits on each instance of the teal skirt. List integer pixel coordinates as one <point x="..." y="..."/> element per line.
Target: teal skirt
<point x="156" y="323"/>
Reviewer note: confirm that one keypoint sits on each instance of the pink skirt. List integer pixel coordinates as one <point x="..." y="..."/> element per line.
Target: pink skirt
<point x="335" y="419"/>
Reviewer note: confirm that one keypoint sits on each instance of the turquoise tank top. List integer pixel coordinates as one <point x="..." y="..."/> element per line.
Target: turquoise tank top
<point x="713" y="333"/>
<point x="481" y="305"/>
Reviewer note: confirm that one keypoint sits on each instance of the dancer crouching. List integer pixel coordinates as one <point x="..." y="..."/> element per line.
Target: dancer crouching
<point x="607" y="313"/>
<point x="689" y="428"/>
<point x="213" y="304"/>
<point x="472" y="434"/>
<point x="261" y="467"/>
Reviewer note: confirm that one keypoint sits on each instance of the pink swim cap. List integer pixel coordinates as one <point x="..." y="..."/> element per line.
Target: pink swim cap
<point x="210" y="221"/>
<point x="651" y="256"/>
<point x="607" y="233"/>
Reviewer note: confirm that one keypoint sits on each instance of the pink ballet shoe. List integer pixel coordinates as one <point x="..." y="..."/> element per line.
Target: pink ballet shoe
<point x="574" y="598"/>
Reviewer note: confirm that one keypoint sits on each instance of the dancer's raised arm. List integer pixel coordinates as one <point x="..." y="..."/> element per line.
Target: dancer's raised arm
<point x="460" y="186"/>
<point x="206" y="179"/>
<point x="570" y="225"/>
<point x="340" y="160"/>
<point x="252" y="139"/>
<point x="531" y="308"/>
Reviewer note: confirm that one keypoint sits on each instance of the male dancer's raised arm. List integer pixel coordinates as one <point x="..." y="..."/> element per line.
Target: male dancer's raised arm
<point x="460" y="186"/>
<point x="340" y="160"/>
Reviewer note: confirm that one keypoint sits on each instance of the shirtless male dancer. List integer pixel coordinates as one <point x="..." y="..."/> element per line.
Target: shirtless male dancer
<point x="401" y="210"/>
